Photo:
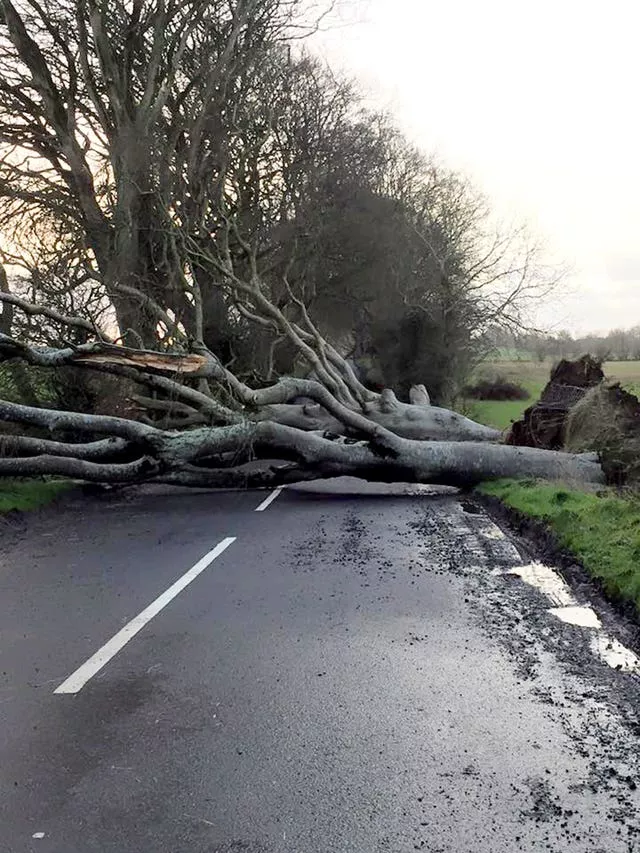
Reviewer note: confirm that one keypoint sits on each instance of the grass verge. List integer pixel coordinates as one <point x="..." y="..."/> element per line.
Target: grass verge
<point x="601" y="529"/>
<point x="29" y="494"/>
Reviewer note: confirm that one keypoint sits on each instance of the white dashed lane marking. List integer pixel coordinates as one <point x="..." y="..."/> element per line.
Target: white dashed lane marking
<point x="269" y="500"/>
<point x="79" y="678"/>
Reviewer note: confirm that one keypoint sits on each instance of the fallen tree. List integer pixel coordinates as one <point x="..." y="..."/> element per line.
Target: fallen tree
<point x="377" y="438"/>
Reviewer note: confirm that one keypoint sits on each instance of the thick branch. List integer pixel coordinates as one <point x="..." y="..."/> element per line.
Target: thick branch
<point x="34" y="466"/>
<point x="55" y="420"/>
<point x="22" y="445"/>
<point x="383" y="420"/>
<point x="132" y="364"/>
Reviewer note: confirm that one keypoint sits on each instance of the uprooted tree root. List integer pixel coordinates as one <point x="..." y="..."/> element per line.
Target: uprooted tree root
<point x="607" y="420"/>
<point x="579" y="412"/>
<point x="542" y="424"/>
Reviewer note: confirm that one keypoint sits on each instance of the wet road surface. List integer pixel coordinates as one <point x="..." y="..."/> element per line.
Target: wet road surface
<point x="360" y="670"/>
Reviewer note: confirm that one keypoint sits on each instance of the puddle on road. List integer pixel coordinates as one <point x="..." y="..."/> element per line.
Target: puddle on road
<point x="493" y="532"/>
<point x="567" y="609"/>
<point x="585" y="617"/>
<point x="615" y="654"/>
<point x="547" y="581"/>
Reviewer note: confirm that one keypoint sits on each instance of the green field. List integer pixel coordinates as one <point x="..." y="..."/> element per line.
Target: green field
<point x="534" y="375"/>
<point x="627" y="373"/>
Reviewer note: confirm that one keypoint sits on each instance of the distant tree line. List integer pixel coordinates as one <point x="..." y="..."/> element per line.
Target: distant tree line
<point x="616" y="345"/>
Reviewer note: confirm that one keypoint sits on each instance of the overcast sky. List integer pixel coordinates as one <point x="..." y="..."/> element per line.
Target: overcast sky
<point x="539" y="102"/>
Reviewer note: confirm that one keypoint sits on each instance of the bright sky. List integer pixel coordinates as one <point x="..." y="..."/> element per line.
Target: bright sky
<point x="540" y="104"/>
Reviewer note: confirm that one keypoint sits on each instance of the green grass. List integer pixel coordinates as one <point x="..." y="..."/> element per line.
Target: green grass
<point x="29" y="494"/>
<point x="534" y="375"/>
<point x="531" y="375"/>
<point x="496" y="413"/>
<point x="601" y="529"/>
<point x="627" y="373"/>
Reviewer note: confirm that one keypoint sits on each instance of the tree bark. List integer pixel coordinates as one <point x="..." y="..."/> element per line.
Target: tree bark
<point x="6" y="309"/>
<point x="199" y="457"/>
<point x="418" y="422"/>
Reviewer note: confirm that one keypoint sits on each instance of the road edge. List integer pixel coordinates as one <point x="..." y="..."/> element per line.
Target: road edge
<point x="540" y="543"/>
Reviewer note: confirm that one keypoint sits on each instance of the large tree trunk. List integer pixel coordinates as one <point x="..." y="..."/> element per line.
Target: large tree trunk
<point x="214" y="456"/>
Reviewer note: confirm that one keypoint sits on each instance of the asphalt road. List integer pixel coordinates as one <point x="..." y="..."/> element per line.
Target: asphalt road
<point x="357" y="671"/>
